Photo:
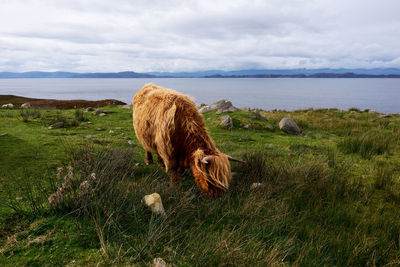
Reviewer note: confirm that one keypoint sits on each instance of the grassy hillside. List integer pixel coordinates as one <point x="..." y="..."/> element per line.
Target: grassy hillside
<point x="328" y="197"/>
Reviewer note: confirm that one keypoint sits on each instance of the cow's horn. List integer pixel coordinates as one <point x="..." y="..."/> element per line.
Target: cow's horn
<point x="206" y="160"/>
<point x="233" y="159"/>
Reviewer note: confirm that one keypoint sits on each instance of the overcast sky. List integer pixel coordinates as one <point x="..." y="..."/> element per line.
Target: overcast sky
<point x="151" y="35"/>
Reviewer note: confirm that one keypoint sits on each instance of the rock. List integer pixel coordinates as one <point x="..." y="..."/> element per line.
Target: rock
<point x="89" y="109"/>
<point x="56" y="125"/>
<point x="111" y="132"/>
<point x="126" y="106"/>
<point x="246" y="126"/>
<point x="154" y="202"/>
<point x="108" y="111"/>
<point x="7" y="106"/>
<point x="130" y="142"/>
<point x="385" y="116"/>
<point x="38" y="241"/>
<point x="97" y="112"/>
<point x="89" y="122"/>
<point x="102" y="114"/>
<point x="271" y="128"/>
<point x="222" y="106"/>
<point x="25" y="105"/>
<point x="246" y="109"/>
<point x="99" y="129"/>
<point x="257" y="112"/>
<point x="256" y="185"/>
<point x="289" y="126"/>
<point x="89" y="136"/>
<point x="3" y="134"/>
<point x="227" y="122"/>
<point x="158" y="262"/>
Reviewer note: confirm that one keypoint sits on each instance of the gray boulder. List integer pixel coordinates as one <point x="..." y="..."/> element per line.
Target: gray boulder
<point x="226" y="121"/>
<point x="289" y="126"/>
<point x="222" y="106"/>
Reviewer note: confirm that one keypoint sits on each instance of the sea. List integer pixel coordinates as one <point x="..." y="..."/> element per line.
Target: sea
<point x="382" y="95"/>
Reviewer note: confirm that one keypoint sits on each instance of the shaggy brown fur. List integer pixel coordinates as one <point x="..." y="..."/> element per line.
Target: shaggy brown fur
<point x="168" y="123"/>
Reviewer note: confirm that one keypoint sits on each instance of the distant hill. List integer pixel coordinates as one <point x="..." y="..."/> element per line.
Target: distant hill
<point x="59" y="74"/>
<point x="263" y="73"/>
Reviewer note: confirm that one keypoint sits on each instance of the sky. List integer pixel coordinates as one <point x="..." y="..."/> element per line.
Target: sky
<point x="169" y="35"/>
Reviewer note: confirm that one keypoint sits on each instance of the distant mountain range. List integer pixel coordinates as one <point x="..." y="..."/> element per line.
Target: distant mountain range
<point x="266" y="73"/>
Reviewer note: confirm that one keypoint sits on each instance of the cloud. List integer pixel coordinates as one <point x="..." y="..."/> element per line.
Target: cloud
<point x="169" y="35"/>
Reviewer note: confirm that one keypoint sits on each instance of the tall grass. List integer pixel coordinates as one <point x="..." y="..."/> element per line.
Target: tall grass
<point x="367" y="143"/>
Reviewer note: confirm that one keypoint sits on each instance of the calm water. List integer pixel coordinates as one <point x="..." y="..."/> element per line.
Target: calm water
<point x="382" y="95"/>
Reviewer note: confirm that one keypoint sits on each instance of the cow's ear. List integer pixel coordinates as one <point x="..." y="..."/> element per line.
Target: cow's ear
<point x="207" y="159"/>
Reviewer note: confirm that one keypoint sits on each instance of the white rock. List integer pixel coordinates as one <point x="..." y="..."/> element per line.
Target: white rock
<point x="154" y="202"/>
<point x="102" y="114"/>
<point x="25" y="105"/>
<point x="256" y="185"/>
<point x="111" y="132"/>
<point x="158" y="262"/>
<point x="8" y="106"/>
<point x="130" y="142"/>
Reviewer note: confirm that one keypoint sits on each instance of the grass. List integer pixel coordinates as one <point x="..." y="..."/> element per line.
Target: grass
<point x="329" y="197"/>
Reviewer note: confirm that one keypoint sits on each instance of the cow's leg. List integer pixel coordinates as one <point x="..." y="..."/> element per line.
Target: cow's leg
<point x="160" y="161"/>
<point x="173" y="176"/>
<point x="149" y="158"/>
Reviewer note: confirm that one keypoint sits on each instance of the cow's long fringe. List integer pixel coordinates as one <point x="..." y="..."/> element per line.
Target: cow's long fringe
<point x="217" y="172"/>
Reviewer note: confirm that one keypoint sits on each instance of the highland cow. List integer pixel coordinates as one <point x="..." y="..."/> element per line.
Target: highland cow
<point x="167" y="123"/>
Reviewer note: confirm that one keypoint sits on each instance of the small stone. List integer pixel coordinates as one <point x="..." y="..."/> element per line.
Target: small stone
<point x="56" y="125"/>
<point x="111" y="132"/>
<point x="99" y="129"/>
<point x="89" y="122"/>
<point x="108" y="111"/>
<point x="154" y="202"/>
<point x="158" y="262"/>
<point x="130" y="142"/>
<point x="246" y="126"/>
<point x="126" y="106"/>
<point x="137" y="164"/>
<point x="3" y="134"/>
<point x="38" y="241"/>
<point x="25" y="105"/>
<point x="258" y="114"/>
<point x="256" y="185"/>
<point x="227" y="122"/>
<point x="97" y="112"/>
<point x="102" y="114"/>
<point x="385" y="116"/>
